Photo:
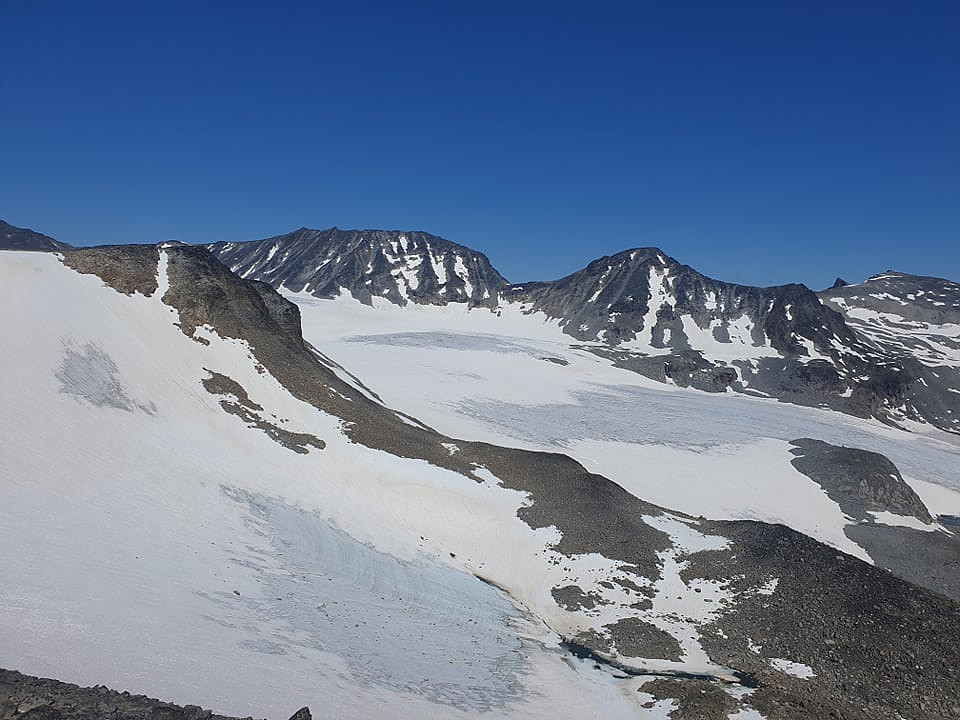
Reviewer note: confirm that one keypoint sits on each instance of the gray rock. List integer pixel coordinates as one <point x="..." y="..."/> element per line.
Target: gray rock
<point x="14" y="238"/>
<point x="928" y="559"/>
<point x="23" y="697"/>
<point x="859" y="481"/>
<point x="398" y="266"/>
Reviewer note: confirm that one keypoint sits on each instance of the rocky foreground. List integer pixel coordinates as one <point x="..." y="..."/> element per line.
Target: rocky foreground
<point x="23" y="697"/>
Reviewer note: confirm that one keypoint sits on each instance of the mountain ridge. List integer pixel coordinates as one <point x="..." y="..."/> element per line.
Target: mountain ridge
<point x="16" y="238"/>
<point x="823" y="591"/>
<point x="645" y="311"/>
<point x="400" y="266"/>
<point x="754" y="593"/>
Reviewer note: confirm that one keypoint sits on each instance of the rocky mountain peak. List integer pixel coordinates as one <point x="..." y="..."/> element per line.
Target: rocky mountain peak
<point x="398" y="266"/>
<point x="15" y="238"/>
<point x="911" y="298"/>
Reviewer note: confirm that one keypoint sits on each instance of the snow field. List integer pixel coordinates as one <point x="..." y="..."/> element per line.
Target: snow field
<point x="482" y="376"/>
<point x="136" y="556"/>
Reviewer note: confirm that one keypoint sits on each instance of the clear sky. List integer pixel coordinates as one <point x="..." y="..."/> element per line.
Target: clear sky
<point x="761" y="142"/>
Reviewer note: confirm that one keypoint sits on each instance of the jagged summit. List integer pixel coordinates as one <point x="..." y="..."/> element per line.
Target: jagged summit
<point x="914" y="298"/>
<point x="400" y="266"/>
<point x="645" y="297"/>
<point x="648" y="312"/>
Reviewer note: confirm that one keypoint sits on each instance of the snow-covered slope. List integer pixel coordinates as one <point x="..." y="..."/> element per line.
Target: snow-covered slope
<point x="199" y="505"/>
<point x="160" y="536"/>
<point x="514" y="377"/>
<point x="917" y="320"/>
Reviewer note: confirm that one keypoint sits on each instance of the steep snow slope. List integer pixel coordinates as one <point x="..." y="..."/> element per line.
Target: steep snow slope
<point x="133" y="508"/>
<point x="512" y="377"/>
<point x="194" y="506"/>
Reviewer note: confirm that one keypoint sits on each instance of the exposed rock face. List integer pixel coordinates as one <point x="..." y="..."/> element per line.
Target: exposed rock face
<point x="859" y="481"/>
<point x="648" y="313"/>
<point x="854" y="626"/>
<point x="863" y="483"/>
<point x="928" y="559"/>
<point x="23" y="697"/>
<point x="126" y="268"/>
<point x="665" y="320"/>
<point x="14" y="238"/>
<point x="645" y="295"/>
<point x="914" y="321"/>
<point x="906" y="298"/>
<point x="236" y="402"/>
<point x="801" y="603"/>
<point x="693" y="699"/>
<point x="398" y="266"/>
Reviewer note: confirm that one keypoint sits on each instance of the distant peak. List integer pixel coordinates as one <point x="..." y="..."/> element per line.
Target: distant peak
<point x="642" y="255"/>
<point x="888" y="275"/>
<point x="838" y="283"/>
<point x="16" y="238"/>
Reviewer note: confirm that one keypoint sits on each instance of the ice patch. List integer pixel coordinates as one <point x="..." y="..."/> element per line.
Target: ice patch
<point x="888" y="518"/>
<point x="656" y="709"/>
<point x="769" y="587"/>
<point x="793" y="668"/>
<point x="91" y="374"/>
<point x="401" y="625"/>
<point x="746" y="714"/>
<point x="163" y="280"/>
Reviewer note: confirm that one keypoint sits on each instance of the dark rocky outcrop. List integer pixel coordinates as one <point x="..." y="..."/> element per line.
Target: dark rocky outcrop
<point x="859" y="481"/>
<point x="911" y="321"/>
<point x="23" y="697"/>
<point x="916" y="298"/>
<point x="613" y="299"/>
<point x="693" y="699"/>
<point x="930" y="559"/>
<point x="876" y="643"/>
<point x="863" y="482"/>
<point x="398" y="266"/>
<point x="14" y="238"/>
<point x="126" y="268"/>
<point x="234" y="400"/>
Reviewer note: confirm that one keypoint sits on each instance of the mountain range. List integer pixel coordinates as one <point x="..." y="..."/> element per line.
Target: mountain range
<point x="884" y="348"/>
<point x="360" y="471"/>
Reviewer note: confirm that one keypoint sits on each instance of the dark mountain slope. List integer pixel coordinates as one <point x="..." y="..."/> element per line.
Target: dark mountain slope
<point x="398" y="266"/>
<point x="14" y="238"/>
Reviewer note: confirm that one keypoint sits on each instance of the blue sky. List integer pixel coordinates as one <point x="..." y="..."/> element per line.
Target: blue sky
<point x="762" y="143"/>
